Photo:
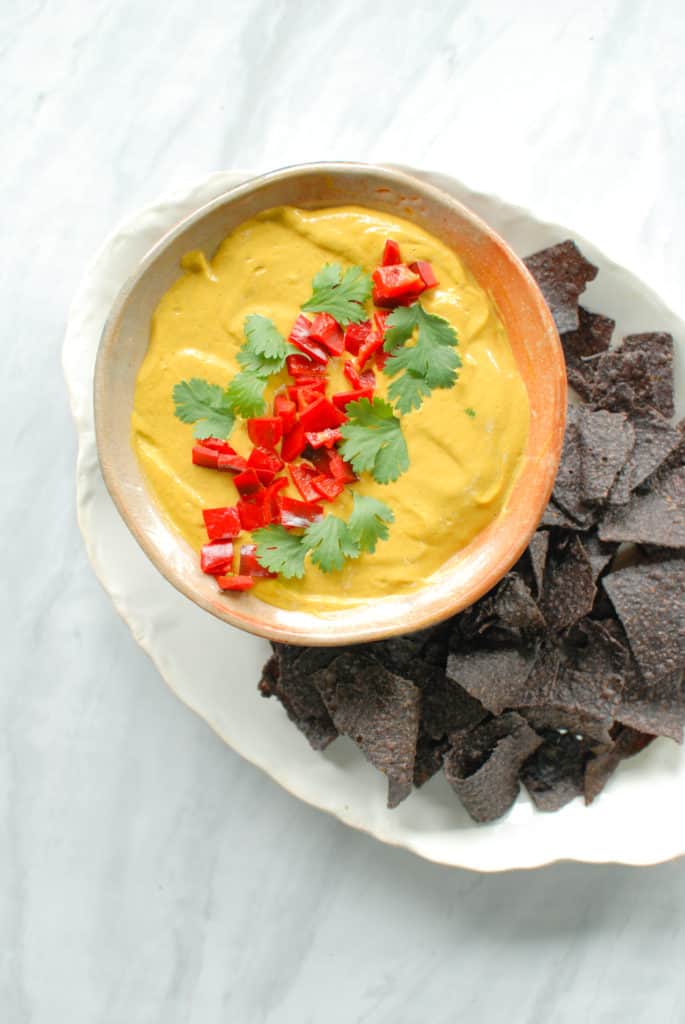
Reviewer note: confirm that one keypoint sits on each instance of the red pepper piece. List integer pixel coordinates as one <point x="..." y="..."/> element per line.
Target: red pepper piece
<point x="217" y="558"/>
<point x="381" y="320"/>
<point x="380" y="358"/>
<point x="252" y="515"/>
<point x="367" y="379"/>
<point x="391" y="254"/>
<point x="355" y="335"/>
<point x="352" y="374"/>
<point x="286" y="410"/>
<point x="320" y="415"/>
<point x="317" y="383"/>
<point x="323" y="438"/>
<point x="272" y="498"/>
<point x="231" y="463"/>
<point x="396" y="282"/>
<point x="344" y="397"/>
<point x="339" y="469"/>
<point x="248" y="483"/>
<point x="307" y="394"/>
<point x="203" y="456"/>
<point x="221" y="523"/>
<point x="235" y="582"/>
<point x="294" y="443"/>
<point x="320" y="458"/>
<point x="265" y="431"/>
<point x="300" y="366"/>
<point x="328" y="487"/>
<point x="302" y="476"/>
<point x="327" y="331"/>
<point x="296" y="514"/>
<point x="265" y="463"/>
<point x="425" y="271"/>
<point x="217" y="445"/>
<point x="249" y="566"/>
<point x="372" y="343"/>
<point x="300" y="338"/>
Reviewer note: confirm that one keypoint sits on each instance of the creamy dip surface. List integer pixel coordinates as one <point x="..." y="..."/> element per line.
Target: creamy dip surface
<point x="462" y="466"/>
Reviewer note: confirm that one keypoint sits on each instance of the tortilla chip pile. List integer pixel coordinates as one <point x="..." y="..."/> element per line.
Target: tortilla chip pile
<point x="576" y="659"/>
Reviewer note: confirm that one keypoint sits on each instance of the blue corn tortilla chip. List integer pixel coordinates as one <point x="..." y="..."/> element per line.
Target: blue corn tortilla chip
<point x="655" y="442"/>
<point x="537" y="554"/>
<point x="570" y="589"/>
<point x="299" y="697"/>
<point x="482" y="765"/>
<point x="649" y="600"/>
<point x="555" y="774"/>
<point x="582" y="347"/>
<point x="600" y="766"/>
<point x="562" y="274"/>
<point x="636" y="377"/>
<point x="656" y="517"/>
<point x="377" y="709"/>
<point x="497" y="678"/>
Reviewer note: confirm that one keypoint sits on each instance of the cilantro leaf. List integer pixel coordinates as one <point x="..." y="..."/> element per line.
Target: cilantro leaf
<point x="206" y="405"/>
<point x="373" y="441"/>
<point x="246" y="394"/>
<point x="281" y="551"/>
<point x="470" y="412"/>
<point x="264" y="338"/>
<point x="431" y="362"/>
<point x="330" y="542"/>
<point x="341" y="295"/>
<point x="367" y="524"/>
<point x="256" y="364"/>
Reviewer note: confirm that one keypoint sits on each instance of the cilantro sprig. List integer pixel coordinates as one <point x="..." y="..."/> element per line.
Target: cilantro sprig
<point x="329" y="542"/>
<point x="373" y="441"/>
<point x="431" y="362"/>
<point x="341" y="294"/>
<point x="205" y="405"/>
<point x="213" y="409"/>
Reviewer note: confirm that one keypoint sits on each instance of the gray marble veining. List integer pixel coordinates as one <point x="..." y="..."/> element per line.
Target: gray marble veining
<point x="147" y="873"/>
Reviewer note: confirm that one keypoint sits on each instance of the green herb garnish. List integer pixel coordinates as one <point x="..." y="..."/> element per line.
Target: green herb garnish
<point x="341" y="295"/>
<point x="373" y="441"/>
<point x="429" y="363"/>
<point x="205" y="405"/>
<point x="330" y="541"/>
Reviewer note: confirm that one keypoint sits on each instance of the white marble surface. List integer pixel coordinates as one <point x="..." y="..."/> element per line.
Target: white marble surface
<point x="147" y="873"/>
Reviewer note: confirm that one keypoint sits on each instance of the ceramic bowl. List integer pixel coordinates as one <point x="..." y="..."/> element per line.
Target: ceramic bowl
<point x="534" y="341"/>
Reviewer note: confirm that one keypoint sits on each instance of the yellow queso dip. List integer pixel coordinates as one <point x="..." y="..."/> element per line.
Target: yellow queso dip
<point x="465" y="443"/>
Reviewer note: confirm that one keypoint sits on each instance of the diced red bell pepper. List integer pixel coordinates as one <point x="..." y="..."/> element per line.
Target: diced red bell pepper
<point x="217" y="558"/>
<point x="352" y="373"/>
<point x="286" y="410"/>
<point x="305" y="395"/>
<point x="296" y="514"/>
<point x="391" y="254"/>
<point x="328" y="487"/>
<point x="253" y="514"/>
<point x="221" y="523"/>
<point x="235" y="582"/>
<point x="425" y="271"/>
<point x="302" y="476"/>
<point x="355" y="335"/>
<point x="231" y="463"/>
<point x="300" y="366"/>
<point x="248" y="483"/>
<point x="265" y="463"/>
<point x="381" y="320"/>
<point x="300" y="338"/>
<point x="395" y="282"/>
<point x="380" y="358"/>
<point x="204" y="456"/>
<point x="327" y="331"/>
<point x="249" y="566"/>
<point x="323" y="438"/>
<point x="367" y="379"/>
<point x="272" y="497"/>
<point x="372" y="343"/>
<point x="320" y="415"/>
<point x="217" y="445"/>
<point x="343" y="398"/>
<point x="265" y="431"/>
<point x="294" y="443"/>
<point x="339" y="469"/>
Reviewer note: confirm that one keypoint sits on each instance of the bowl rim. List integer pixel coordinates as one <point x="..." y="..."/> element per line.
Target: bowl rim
<point x="228" y="608"/>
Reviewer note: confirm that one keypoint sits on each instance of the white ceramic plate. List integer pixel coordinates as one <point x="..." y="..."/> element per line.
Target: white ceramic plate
<point x="214" y="668"/>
